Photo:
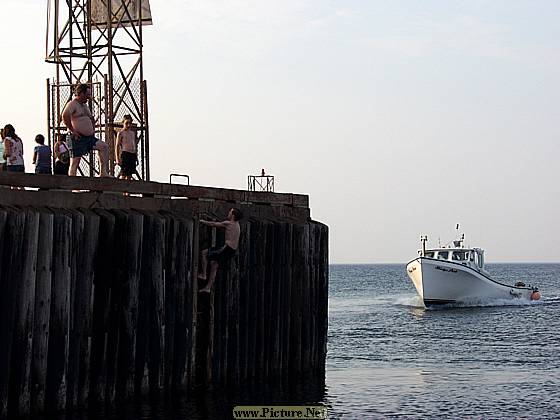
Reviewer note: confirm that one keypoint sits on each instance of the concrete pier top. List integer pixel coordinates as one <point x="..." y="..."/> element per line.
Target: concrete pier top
<point x="60" y="192"/>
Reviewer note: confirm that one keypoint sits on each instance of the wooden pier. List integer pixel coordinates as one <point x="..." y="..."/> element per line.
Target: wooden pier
<point x="100" y="298"/>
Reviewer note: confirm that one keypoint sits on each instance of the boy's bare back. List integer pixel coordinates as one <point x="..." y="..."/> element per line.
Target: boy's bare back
<point x="233" y="230"/>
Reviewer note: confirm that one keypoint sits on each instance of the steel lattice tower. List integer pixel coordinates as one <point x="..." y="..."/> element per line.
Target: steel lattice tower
<point x="99" y="42"/>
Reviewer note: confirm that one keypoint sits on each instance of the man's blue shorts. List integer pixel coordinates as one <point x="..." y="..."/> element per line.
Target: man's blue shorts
<point x="81" y="146"/>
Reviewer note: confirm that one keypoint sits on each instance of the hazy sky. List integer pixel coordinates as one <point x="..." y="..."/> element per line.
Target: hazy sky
<point x="398" y="118"/>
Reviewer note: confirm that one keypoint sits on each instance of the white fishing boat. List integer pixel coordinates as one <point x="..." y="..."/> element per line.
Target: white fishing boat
<point x="455" y="274"/>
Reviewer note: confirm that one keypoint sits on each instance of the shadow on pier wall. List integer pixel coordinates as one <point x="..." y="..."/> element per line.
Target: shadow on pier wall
<point x="101" y="304"/>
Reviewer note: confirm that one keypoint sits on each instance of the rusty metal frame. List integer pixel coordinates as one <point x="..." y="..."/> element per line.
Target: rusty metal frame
<point x="107" y="52"/>
<point x="260" y="183"/>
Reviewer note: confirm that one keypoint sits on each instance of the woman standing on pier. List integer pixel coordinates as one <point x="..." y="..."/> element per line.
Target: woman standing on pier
<point x="13" y="149"/>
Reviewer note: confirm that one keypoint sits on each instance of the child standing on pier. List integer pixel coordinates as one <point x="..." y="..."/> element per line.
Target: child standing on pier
<point x="219" y="256"/>
<point x="62" y="156"/>
<point x="125" y="150"/>
<point x="42" y="156"/>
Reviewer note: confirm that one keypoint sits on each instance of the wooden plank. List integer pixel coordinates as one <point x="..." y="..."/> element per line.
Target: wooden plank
<point x="5" y="282"/>
<point x="55" y="395"/>
<point x="12" y="237"/>
<point x="183" y="296"/>
<point x="305" y="302"/>
<point x="156" y="310"/>
<point x="103" y="279"/>
<point x="254" y="313"/>
<point x="245" y="305"/>
<point x="20" y="388"/>
<point x="296" y="301"/>
<point x="260" y="330"/>
<point x="42" y="312"/>
<point x="83" y="302"/>
<point x="287" y="300"/>
<point x="216" y="326"/>
<point x="313" y="261"/>
<point x="113" y="388"/>
<point x="232" y="374"/>
<point x="170" y="297"/>
<point x="269" y="267"/>
<point x="278" y="261"/>
<point x="191" y="303"/>
<point x="324" y="305"/>
<point x="74" y="339"/>
<point x="129" y="305"/>
<point x="144" y="297"/>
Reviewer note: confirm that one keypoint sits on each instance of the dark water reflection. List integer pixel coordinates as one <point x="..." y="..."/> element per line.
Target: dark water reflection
<point x="389" y="357"/>
<point x="202" y="405"/>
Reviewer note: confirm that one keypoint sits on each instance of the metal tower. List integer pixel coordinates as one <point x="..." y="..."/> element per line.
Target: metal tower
<point x="99" y="42"/>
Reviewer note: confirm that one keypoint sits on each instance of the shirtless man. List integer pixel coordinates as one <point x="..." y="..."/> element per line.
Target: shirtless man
<point x="81" y="125"/>
<point x="125" y="150"/>
<point x="218" y="256"/>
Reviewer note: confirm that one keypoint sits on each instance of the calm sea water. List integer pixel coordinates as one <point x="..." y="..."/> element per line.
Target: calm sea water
<point x="389" y="357"/>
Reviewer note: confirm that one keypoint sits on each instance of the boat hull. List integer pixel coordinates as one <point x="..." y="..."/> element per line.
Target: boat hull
<point x="443" y="282"/>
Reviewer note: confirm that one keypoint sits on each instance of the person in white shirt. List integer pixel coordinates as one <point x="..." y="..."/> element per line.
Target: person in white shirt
<point x="13" y="150"/>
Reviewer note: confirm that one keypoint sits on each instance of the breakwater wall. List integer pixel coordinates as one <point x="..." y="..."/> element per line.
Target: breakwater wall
<point x="100" y="294"/>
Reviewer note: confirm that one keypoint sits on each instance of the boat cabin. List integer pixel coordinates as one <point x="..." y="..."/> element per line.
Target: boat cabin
<point x="473" y="258"/>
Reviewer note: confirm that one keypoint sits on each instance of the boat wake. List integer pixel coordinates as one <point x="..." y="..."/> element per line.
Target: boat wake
<point x="488" y="302"/>
<point x="416" y="302"/>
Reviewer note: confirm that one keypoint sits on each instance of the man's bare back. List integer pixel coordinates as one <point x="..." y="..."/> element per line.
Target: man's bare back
<point x="80" y="118"/>
<point x="233" y="230"/>
<point x="223" y="254"/>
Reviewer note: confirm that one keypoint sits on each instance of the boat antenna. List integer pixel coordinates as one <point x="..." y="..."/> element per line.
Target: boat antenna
<point x="423" y="239"/>
<point x="459" y="242"/>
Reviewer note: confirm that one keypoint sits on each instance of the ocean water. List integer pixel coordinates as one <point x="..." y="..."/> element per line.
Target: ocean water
<point x="389" y="357"/>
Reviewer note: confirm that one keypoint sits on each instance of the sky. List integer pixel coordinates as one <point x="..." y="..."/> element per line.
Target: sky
<point x="397" y="118"/>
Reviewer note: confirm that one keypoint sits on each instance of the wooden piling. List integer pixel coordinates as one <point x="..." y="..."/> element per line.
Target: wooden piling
<point x="20" y="392"/>
<point x="57" y="359"/>
<point x="42" y="312"/>
<point x="183" y="312"/>
<point x="104" y="278"/>
<point x="245" y="306"/>
<point x="128" y="307"/>
<point x="5" y="343"/>
<point x="156" y="304"/>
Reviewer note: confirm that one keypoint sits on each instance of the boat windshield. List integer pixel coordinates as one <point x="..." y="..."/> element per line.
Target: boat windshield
<point x="460" y="256"/>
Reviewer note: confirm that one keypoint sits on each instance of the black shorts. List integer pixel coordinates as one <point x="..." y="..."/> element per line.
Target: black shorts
<point x="16" y="168"/>
<point x="221" y="255"/>
<point x="61" y="168"/>
<point x="128" y="163"/>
